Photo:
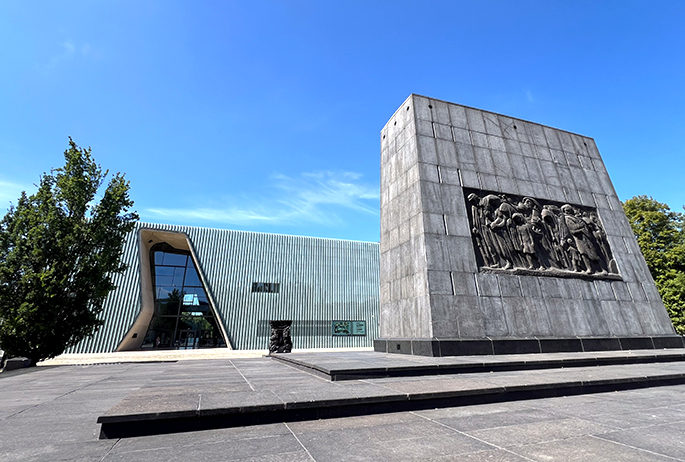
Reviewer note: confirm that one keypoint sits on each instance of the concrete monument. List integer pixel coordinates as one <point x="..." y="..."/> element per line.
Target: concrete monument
<point x="505" y="236"/>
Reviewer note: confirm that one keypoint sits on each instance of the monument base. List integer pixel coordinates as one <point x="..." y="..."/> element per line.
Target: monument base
<point x="487" y="346"/>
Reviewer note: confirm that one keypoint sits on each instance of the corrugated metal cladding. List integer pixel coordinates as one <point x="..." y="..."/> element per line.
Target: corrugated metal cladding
<point x="121" y="306"/>
<point x="320" y="281"/>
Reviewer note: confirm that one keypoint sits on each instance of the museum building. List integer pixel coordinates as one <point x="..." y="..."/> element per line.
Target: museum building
<point x="189" y="287"/>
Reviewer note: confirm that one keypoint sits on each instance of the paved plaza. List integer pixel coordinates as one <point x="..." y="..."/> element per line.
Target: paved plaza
<point x="49" y="413"/>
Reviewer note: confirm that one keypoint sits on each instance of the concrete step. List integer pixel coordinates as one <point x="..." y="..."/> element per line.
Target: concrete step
<point x="261" y="391"/>
<point x="370" y="365"/>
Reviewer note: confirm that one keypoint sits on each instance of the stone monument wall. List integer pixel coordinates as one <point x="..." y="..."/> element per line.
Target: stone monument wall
<point x="501" y="235"/>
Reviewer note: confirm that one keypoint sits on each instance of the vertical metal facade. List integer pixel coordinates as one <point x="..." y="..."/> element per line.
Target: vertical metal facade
<point x="320" y="281"/>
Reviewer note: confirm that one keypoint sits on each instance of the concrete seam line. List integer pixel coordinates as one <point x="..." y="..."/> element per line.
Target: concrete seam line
<point x="471" y="436"/>
<point x="599" y="437"/>
<point x="241" y="374"/>
<point x="300" y="442"/>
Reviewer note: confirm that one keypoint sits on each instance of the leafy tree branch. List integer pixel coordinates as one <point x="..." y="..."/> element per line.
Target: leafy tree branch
<point x="660" y="233"/>
<point x="59" y="249"/>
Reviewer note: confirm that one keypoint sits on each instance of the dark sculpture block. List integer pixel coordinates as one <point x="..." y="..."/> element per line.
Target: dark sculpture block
<point x="560" y="345"/>
<point x="466" y="347"/>
<point x="518" y="346"/>
<point x="399" y="346"/>
<point x="457" y="347"/>
<point x="280" y="340"/>
<point x="16" y="363"/>
<point x="380" y="345"/>
<point x="668" y="342"/>
<point x="636" y="343"/>
<point x="425" y="347"/>
<point x="600" y="344"/>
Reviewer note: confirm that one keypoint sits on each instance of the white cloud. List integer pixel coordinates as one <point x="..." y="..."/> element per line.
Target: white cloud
<point x="69" y="48"/>
<point x="529" y="96"/>
<point x="314" y="197"/>
<point x="69" y="51"/>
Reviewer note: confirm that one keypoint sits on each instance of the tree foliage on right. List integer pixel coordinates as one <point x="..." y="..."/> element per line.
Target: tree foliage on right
<point x="660" y="233"/>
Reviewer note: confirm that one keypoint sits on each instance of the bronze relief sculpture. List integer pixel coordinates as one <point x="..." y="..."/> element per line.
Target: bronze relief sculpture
<point x="526" y="235"/>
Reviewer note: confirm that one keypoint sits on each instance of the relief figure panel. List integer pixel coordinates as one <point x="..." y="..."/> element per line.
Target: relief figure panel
<point x="525" y="235"/>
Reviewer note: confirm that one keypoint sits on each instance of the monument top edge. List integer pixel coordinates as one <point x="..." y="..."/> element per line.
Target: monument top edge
<point x="413" y="95"/>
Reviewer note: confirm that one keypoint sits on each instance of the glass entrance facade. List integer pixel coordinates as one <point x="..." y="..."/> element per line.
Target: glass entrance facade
<point x="183" y="318"/>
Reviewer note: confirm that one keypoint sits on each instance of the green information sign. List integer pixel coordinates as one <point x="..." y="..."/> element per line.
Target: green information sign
<point x="345" y="328"/>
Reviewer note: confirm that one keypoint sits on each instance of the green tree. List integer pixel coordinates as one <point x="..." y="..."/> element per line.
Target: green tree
<point x="58" y="251"/>
<point x="660" y="233"/>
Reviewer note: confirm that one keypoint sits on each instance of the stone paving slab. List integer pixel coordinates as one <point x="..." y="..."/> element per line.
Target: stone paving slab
<point x="50" y="413"/>
<point x="276" y="392"/>
<point x="360" y="365"/>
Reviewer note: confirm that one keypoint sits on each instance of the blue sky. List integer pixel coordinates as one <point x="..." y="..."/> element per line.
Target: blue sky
<point x="265" y="115"/>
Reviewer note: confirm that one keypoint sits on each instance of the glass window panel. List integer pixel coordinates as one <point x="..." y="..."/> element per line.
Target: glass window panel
<point x="161" y="323"/>
<point x="178" y="277"/>
<point x="211" y="337"/>
<point x="168" y="293"/>
<point x="164" y="270"/>
<point x="174" y="259"/>
<point x="159" y="258"/>
<point x="201" y="304"/>
<point x="192" y="278"/>
<point x="269" y="287"/>
<point x="162" y="293"/>
<point x="190" y="299"/>
<point x="202" y="298"/>
<point x="193" y="322"/>
<point x="166" y="308"/>
<point x="164" y="281"/>
<point x="156" y="338"/>
<point x="191" y="311"/>
<point x="149" y="340"/>
<point x="165" y="339"/>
